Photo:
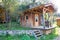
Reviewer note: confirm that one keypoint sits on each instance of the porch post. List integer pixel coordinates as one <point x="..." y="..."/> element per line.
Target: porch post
<point x="43" y="17"/>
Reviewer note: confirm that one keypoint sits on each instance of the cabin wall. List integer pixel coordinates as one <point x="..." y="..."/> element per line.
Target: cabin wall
<point x="26" y="22"/>
<point x="31" y="20"/>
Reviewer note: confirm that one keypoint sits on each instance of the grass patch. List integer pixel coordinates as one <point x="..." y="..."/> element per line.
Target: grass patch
<point x="21" y="37"/>
<point x="3" y="38"/>
<point x="3" y="27"/>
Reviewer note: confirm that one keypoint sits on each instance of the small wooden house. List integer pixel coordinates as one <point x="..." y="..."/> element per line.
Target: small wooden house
<point x="57" y="18"/>
<point x="2" y="14"/>
<point x="39" y="16"/>
<point x="58" y="21"/>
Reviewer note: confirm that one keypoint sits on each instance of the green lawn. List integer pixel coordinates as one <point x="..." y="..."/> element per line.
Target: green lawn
<point x="17" y="37"/>
<point x="3" y="38"/>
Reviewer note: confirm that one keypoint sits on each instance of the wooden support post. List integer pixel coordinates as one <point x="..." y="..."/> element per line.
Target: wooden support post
<point x="43" y="16"/>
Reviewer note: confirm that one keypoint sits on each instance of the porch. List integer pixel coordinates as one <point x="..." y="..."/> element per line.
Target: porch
<point x="43" y="27"/>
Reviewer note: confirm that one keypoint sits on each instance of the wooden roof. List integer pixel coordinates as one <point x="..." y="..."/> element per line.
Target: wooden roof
<point x="40" y="8"/>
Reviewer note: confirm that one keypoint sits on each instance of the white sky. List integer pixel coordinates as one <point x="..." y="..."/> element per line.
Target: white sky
<point x="57" y="4"/>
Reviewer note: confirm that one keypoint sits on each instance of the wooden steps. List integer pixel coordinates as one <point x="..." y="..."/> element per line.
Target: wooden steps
<point x="37" y="33"/>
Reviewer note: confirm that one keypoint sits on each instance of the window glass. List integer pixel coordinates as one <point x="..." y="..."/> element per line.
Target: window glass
<point x="26" y="17"/>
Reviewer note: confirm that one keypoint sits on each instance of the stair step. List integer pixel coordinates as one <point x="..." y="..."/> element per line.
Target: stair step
<point x="39" y="35"/>
<point x="36" y="32"/>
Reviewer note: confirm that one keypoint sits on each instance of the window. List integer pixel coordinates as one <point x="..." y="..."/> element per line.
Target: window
<point x="26" y="17"/>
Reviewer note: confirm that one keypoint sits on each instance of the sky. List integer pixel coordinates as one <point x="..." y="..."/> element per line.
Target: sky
<point x="57" y="4"/>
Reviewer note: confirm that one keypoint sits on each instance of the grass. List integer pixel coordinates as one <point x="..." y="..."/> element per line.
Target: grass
<point x="51" y="36"/>
<point x="18" y="37"/>
<point x="3" y="27"/>
<point x="3" y="38"/>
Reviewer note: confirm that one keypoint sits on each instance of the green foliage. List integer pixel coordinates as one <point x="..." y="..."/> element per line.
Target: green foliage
<point x="11" y="6"/>
<point x="3" y="37"/>
<point x="17" y="37"/>
<point x="25" y="37"/>
<point x="3" y="27"/>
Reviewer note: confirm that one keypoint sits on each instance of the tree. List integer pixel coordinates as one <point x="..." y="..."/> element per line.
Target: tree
<point x="10" y="6"/>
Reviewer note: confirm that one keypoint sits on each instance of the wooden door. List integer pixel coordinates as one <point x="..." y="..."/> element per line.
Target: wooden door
<point x="36" y="20"/>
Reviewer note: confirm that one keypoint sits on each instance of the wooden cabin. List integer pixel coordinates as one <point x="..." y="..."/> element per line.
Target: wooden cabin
<point x="39" y="16"/>
<point x="58" y="21"/>
<point x="2" y="14"/>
